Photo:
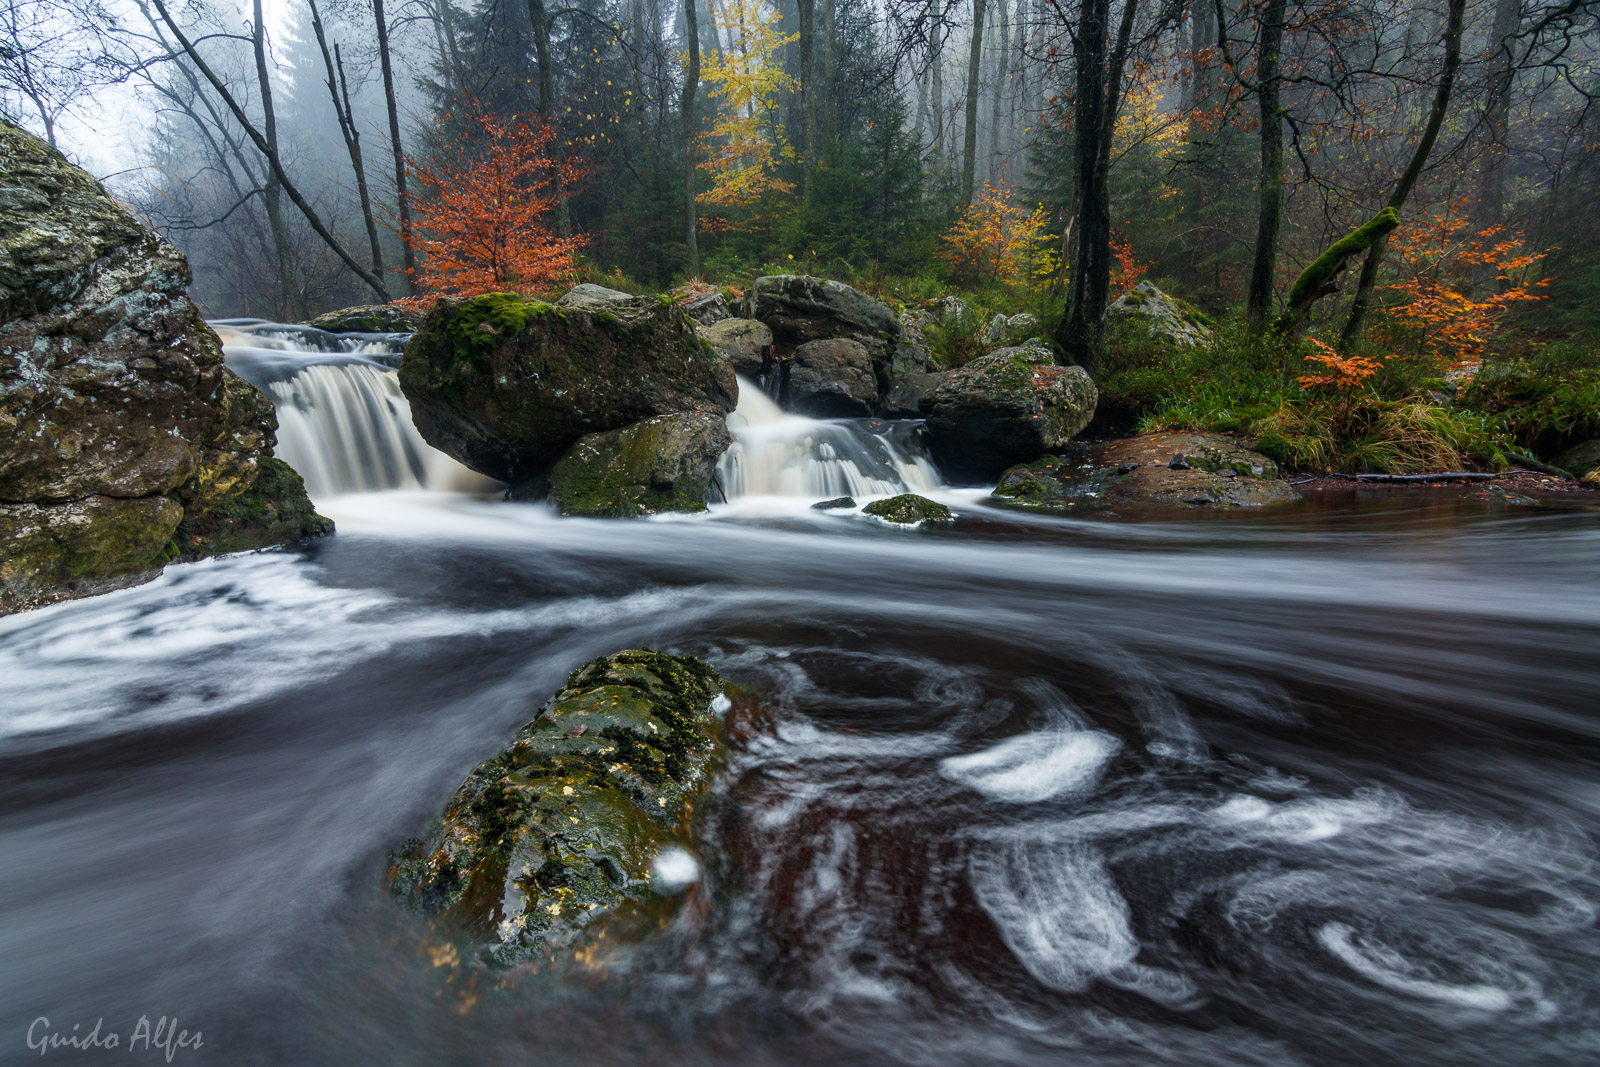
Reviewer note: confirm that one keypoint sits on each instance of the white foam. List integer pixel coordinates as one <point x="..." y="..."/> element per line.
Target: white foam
<point x="1038" y="766"/>
<point x="1386" y="967"/>
<point x="674" y="869"/>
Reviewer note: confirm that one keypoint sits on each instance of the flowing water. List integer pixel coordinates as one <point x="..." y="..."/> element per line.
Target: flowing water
<point x="1314" y="786"/>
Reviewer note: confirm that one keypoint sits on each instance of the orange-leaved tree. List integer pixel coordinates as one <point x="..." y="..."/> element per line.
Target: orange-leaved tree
<point x="480" y="218"/>
<point x="997" y="241"/>
<point x="1436" y="316"/>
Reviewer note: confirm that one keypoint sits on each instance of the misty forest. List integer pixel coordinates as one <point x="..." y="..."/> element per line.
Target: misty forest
<point x="800" y="531"/>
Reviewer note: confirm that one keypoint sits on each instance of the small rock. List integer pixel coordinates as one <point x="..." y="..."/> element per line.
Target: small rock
<point x="908" y="509"/>
<point x="834" y="504"/>
<point x="587" y="295"/>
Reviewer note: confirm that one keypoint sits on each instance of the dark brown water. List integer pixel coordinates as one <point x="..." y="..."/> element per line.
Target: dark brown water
<point x="1313" y="788"/>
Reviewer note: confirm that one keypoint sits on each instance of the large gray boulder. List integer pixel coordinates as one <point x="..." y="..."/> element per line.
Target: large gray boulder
<point x="832" y="379"/>
<point x="367" y="318"/>
<point x="124" y="442"/>
<point x="705" y="306"/>
<point x="1005" y="330"/>
<point x="506" y="384"/>
<point x="743" y="342"/>
<point x="800" y="308"/>
<point x="1186" y="470"/>
<point x="590" y="295"/>
<point x="1004" y="408"/>
<point x="668" y="463"/>
<point x="1163" y="317"/>
<point x="909" y="396"/>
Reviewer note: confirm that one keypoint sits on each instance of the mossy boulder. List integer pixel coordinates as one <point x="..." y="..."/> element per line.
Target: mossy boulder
<point x="668" y="463"/>
<point x="366" y="318"/>
<point x="1008" y="406"/>
<point x="838" y="503"/>
<point x="908" y="509"/>
<point x="1163" y="317"/>
<point x="562" y="826"/>
<point x="1581" y="460"/>
<point x="117" y="417"/>
<point x="1173" y="469"/>
<point x="832" y="379"/>
<point x="1007" y="330"/>
<point x="743" y="342"/>
<point x="506" y="384"/>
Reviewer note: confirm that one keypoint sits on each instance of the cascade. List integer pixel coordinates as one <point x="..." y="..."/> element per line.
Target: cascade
<point x="342" y="421"/>
<point x="776" y="453"/>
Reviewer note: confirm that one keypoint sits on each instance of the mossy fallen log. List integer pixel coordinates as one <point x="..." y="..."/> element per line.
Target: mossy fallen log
<point x="1320" y="279"/>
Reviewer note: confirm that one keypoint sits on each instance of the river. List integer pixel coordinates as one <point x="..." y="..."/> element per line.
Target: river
<point x="1312" y="786"/>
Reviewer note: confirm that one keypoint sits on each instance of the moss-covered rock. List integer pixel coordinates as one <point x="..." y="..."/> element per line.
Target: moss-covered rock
<point x="908" y="509"/>
<point x="1008" y="330"/>
<point x="506" y="384"/>
<point x="116" y="414"/>
<point x="366" y="318"/>
<point x="1163" y="317"/>
<point x="668" y="463"/>
<point x="563" y="825"/>
<point x="836" y="504"/>
<point x="1581" y="460"/>
<point x="1175" y="469"/>
<point x="271" y="509"/>
<point x="1005" y="407"/>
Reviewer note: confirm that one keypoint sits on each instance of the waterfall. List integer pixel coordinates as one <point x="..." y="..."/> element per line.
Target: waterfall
<point x="775" y="453"/>
<point x="342" y="421"/>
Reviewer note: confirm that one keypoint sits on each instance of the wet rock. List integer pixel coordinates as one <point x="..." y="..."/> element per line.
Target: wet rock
<point x="835" y="504"/>
<point x="1581" y="461"/>
<point x="799" y="308"/>
<point x="1004" y="330"/>
<point x="117" y="417"/>
<point x="562" y="826"/>
<point x="948" y="310"/>
<point x="1005" y="407"/>
<point x="742" y="341"/>
<point x="1500" y="496"/>
<point x="1218" y="472"/>
<point x="589" y="295"/>
<point x="507" y="385"/>
<point x="668" y="463"/>
<point x="909" y="396"/>
<point x="1162" y="316"/>
<point x="706" y="307"/>
<point x="367" y="318"/>
<point x="832" y="379"/>
<point x="908" y="509"/>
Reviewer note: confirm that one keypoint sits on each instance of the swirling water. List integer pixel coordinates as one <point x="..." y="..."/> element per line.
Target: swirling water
<point x="1307" y="787"/>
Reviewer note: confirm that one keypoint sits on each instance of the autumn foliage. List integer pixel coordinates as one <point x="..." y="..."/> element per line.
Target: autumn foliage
<point x="481" y="218"/>
<point x="746" y="143"/>
<point x="1436" y="316"/>
<point x="995" y="240"/>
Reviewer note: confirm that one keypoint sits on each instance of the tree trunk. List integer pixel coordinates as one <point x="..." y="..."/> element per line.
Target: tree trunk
<point x="691" y="133"/>
<point x="997" y="69"/>
<point x="1263" y="271"/>
<point x="268" y="153"/>
<point x="936" y="71"/>
<point x="292" y="299"/>
<point x="830" y="114"/>
<point x="401" y="196"/>
<point x="547" y="102"/>
<point x="334" y="65"/>
<point x="1492" y="170"/>
<point x="808" y="94"/>
<point x="1419" y="158"/>
<point x="969" y="149"/>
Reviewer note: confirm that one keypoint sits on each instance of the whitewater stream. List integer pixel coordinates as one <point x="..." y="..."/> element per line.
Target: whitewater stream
<point x="1308" y="786"/>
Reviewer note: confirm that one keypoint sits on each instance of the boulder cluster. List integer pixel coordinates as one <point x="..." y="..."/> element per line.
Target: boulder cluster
<point x="124" y="442"/>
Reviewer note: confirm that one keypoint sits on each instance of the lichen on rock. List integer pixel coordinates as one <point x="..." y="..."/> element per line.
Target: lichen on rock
<point x="1008" y="406"/>
<point x="908" y="509"/>
<point x="668" y="463"/>
<point x="561" y="827"/>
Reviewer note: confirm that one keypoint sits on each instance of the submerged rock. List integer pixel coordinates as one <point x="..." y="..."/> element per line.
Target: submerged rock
<point x="506" y="384"/>
<point x="563" y="825"/>
<point x="367" y="318"/>
<point x="1008" y="406"/>
<point x="1182" y="469"/>
<point x="743" y="342"/>
<point x="832" y="379"/>
<point x="835" y="504"/>
<point x="1164" y="317"/>
<point x="118" y="420"/>
<point x="668" y="463"/>
<point x="908" y="509"/>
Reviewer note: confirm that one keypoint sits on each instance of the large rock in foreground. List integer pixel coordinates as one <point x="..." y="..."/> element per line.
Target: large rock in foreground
<point x="563" y="825"/>
<point x="1176" y="469"/>
<point x="124" y="442"/>
<point x="1008" y="406"/>
<point x="506" y="384"/>
<point x="668" y="463"/>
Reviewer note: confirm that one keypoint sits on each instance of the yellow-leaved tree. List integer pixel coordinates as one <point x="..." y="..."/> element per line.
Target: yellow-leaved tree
<point x="746" y="143"/>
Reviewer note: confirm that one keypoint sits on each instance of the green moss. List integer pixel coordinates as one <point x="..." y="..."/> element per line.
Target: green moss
<point x="908" y="509"/>
<point x="271" y="510"/>
<point x="1317" y="279"/>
